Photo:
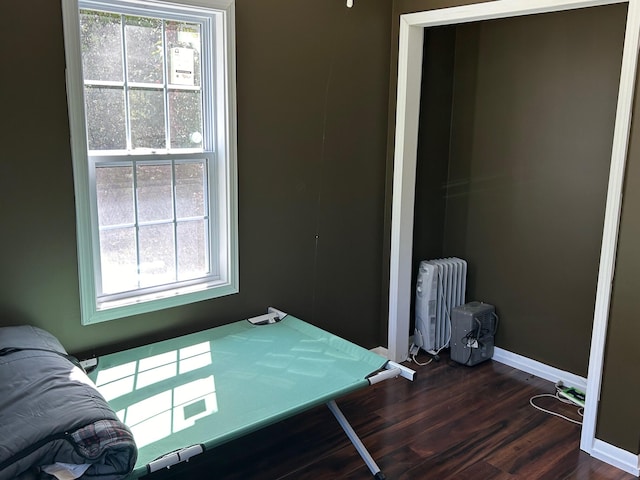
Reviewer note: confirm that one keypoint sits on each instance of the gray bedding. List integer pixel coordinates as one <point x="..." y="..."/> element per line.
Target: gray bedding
<point x="50" y="412"/>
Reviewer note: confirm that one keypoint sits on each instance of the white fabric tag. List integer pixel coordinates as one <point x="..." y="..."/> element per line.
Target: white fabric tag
<point x="66" y="471"/>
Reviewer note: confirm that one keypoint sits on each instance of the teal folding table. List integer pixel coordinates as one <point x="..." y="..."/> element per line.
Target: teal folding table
<point x="191" y="393"/>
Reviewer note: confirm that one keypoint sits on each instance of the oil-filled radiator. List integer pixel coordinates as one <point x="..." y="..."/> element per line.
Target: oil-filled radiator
<point x="440" y="287"/>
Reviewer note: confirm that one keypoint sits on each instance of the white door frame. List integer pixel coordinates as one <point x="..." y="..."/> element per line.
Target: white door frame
<point x="406" y="142"/>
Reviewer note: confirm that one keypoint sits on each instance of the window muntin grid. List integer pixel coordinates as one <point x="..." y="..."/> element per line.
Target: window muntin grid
<point x="144" y="91"/>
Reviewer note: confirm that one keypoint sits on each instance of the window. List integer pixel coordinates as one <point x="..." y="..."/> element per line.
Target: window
<point x="151" y="93"/>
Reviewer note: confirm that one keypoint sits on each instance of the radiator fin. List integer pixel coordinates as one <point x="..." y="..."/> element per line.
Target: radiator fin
<point x="441" y="286"/>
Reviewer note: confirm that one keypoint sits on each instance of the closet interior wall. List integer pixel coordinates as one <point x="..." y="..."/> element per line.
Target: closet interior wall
<point x="515" y="139"/>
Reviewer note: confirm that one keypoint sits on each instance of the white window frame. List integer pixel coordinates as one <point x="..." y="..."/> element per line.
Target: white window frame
<point x="222" y="177"/>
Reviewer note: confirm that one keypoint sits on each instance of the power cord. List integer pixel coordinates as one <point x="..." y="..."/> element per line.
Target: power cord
<point x="422" y="364"/>
<point x="413" y="351"/>
<point x="473" y="339"/>
<point x="468" y="340"/>
<point x="557" y="396"/>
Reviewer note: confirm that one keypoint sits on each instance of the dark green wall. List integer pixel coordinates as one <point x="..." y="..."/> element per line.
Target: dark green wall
<point x="619" y="420"/>
<point x="532" y="129"/>
<point x="539" y="193"/>
<point x="434" y="139"/>
<point x="313" y="80"/>
<point x="514" y="149"/>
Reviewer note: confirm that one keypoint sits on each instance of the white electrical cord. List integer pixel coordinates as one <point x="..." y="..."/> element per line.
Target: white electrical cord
<point x="413" y="358"/>
<point x="561" y="399"/>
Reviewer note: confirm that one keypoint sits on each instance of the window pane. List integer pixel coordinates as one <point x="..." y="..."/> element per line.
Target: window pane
<point x="192" y="249"/>
<point x="190" y="188"/>
<point x="101" y="43"/>
<point x="147" y="118"/>
<point x="114" y="189"/>
<point x="155" y="202"/>
<point x="157" y="256"/>
<point x="144" y="49"/>
<point x="118" y="260"/>
<point x="185" y="119"/>
<point x="105" y="118"/>
<point x="183" y="53"/>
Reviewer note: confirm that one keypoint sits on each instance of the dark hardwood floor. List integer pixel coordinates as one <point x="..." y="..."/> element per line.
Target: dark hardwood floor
<point x="452" y="422"/>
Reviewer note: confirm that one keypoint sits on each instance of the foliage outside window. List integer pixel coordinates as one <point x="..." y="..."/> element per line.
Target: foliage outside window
<point x="151" y="107"/>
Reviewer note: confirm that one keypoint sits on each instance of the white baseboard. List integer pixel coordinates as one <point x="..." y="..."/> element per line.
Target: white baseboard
<point x="382" y="351"/>
<point x="617" y="457"/>
<point x="539" y="369"/>
<point x="627" y="461"/>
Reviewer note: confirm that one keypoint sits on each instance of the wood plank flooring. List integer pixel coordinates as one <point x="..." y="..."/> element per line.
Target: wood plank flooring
<point x="452" y="422"/>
